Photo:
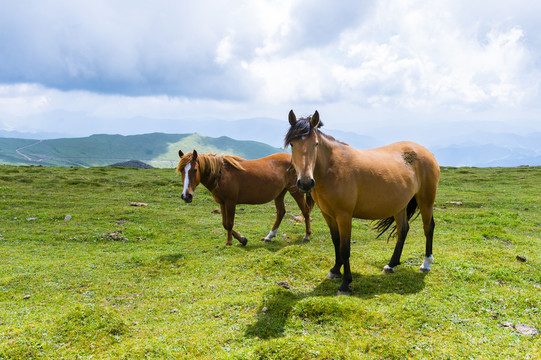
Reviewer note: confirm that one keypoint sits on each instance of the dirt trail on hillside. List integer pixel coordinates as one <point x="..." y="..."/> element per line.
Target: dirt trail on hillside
<point x="18" y="151"/>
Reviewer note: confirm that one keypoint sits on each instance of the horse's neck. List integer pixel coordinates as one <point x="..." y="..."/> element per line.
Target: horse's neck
<point x="327" y="156"/>
<point x="210" y="177"/>
<point x="208" y="182"/>
<point x="324" y="156"/>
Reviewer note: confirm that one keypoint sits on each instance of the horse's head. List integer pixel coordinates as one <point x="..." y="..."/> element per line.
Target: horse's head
<point x="188" y="166"/>
<point x="303" y="138"/>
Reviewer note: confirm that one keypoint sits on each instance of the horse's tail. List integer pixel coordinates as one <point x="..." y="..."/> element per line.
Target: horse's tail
<point x="383" y="225"/>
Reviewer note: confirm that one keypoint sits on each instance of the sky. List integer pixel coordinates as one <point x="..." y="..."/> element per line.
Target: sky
<point x="400" y="67"/>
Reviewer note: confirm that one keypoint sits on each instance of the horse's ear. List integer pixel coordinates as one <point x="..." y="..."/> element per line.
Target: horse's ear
<point x="314" y="120"/>
<point x="194" y="155"/>
<point x="292" y="118"/>
<point x="180" y="154"/>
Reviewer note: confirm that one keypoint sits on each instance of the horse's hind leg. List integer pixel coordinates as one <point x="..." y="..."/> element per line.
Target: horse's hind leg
<point x="280" y="212"/>
<point x="305" y="209"/>
<point x="402" y="228"/>
<point x="428" y="226"/>
<point x="425" y="200"/>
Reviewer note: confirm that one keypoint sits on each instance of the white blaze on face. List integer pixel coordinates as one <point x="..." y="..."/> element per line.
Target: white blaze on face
<point x="186" y="179"/>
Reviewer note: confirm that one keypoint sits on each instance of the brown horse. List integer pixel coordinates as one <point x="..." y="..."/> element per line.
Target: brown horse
<point x="387" y="183"/>
<point x="233" y="180"/>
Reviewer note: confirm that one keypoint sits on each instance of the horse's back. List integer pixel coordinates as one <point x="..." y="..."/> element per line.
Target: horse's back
<point x="421" y="160"/>
<point x="279" y="157"/>
<point x="380" y="181"/>
<point x="406" y="157"/>
<point x="405" y="154"/>
<point x="261" y="181"/>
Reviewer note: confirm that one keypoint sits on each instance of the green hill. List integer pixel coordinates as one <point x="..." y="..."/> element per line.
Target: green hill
<point x="8" y="150"/>
<point x="157" y="149"/>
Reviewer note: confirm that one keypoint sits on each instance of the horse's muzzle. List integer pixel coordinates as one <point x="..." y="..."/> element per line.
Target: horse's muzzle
<point x="306" y="185"/>
<point x="187" y="198"/>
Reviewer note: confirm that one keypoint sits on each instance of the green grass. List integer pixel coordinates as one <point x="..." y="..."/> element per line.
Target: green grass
<point x="168" y="287"/>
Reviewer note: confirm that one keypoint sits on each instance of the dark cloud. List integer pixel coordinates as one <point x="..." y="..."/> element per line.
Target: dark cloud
<point x="159" y="48"/>
<point x="376" y="54"/>
<point x="320" y="22"/>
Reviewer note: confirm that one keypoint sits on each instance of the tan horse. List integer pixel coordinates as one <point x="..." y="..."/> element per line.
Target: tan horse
<point x="386" y="183"/>
<point x="233" y="180"/>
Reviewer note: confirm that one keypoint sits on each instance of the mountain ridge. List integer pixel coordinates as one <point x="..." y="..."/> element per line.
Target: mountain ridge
<point x="487" y="149"/>
<point x="158" y="149"/>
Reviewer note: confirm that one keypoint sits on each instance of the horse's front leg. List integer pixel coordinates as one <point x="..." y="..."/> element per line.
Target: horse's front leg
<point x="344" y="227"/>
<point x="305" y="209"/>
<point x="228" y="220"/>
<point x="225" y="223"/>
<point x="334" y="273"/>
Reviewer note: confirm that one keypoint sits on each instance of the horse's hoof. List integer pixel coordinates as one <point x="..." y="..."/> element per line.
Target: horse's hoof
<point x="334" y="276"/>
<point x="243" y="241"/>
<point x="229" y="243"/>
<point x="347" y="292"/>
<point x="426" y="264"/>
<point x="266" y="239"/>
<point x="388" y="270"/>
<point x="306" y="239"/>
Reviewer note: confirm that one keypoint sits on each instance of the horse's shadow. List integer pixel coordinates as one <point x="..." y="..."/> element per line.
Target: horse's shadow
<point x="275" y="309"/>
<point x="273" y="245"/>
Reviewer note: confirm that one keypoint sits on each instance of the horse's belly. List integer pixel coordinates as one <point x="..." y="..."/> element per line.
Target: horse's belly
<point x="373" y="214"/>
<point x="375" y="208"/>
<point x="255" y="200"/>
<point x="262" y="195"/>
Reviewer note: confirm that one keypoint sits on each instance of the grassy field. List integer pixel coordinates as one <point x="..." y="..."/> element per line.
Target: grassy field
<point x="157" y="282"/>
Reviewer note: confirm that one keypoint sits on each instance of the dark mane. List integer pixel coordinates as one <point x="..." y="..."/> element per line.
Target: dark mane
<point x="302" y="128"/>
<point x="329" y="137"/>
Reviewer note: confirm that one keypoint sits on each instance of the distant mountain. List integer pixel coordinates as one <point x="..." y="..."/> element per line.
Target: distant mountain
<point x="31" y="136"/>
<point x="492" y="150"/>
<point x="259" y="137"/>
<point x="353" y="139"/>
<point x="266" y="130"/>
<point x="157" y="149"/>
<point x="486" y="156"/>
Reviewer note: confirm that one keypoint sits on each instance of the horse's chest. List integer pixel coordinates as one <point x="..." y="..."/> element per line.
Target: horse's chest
<point x="328" y="203"/>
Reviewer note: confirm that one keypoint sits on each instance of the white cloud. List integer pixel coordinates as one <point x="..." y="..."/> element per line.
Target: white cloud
<point x="170" y="59"/>
<point x="403" y="54"/>
<point x="224" y="50"/>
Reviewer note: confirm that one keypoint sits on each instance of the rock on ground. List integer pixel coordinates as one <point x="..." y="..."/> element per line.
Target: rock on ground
<point x="132" y="164"/>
